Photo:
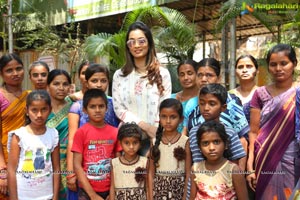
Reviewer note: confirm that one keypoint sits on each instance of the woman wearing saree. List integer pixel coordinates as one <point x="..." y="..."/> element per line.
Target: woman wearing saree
<point x="12" y="105"/>
<point x="188" y="96"/>
<point x="274" y="162"/>
<point x="58" y="85"/>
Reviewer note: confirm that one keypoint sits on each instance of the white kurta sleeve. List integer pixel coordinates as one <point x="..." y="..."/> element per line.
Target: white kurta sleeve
<point x="119" y="101"/>
<point x="167" y="83"/>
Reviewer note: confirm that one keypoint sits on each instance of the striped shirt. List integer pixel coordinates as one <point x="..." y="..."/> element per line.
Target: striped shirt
<point x="233" y="117"/>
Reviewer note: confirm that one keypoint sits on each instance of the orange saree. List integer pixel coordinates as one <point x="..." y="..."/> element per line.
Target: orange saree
<point x="13" y="117"/>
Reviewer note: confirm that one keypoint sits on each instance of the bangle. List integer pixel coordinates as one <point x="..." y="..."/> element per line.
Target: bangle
<point x="251" y="172"/>
<point x="69" y="176"/>
<point x="3" y="177"/>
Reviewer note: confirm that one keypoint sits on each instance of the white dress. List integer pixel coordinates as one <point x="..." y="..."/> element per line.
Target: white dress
<point x="135" y="100"/>
<point x="34" y="172"/>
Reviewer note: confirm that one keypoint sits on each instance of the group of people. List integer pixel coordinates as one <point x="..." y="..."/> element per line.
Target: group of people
<point x="203" y="142"/>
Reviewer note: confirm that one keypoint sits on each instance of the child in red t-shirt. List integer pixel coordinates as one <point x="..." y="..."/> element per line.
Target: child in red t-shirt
<point x="94" y="145"/>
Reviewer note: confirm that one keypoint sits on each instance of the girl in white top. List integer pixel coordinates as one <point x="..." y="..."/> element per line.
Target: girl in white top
<point x="140" y="86"/>
<point x="33" y="161"/>
<point x="128" y="172"/>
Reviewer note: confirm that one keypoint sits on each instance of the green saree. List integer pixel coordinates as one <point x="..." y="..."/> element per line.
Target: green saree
<point x="60" y="122"/>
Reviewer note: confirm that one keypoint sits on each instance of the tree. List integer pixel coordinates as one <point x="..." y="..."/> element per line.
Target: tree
<point x="32" y="30"/>
<point x="271" y="20"/>
<point x="172" y="32"/>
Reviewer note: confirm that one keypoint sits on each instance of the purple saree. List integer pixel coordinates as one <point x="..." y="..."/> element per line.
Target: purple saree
<point x="276" y="149"/>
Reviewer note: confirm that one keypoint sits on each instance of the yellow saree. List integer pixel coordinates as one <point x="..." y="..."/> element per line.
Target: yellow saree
<point x="13" y="117"/>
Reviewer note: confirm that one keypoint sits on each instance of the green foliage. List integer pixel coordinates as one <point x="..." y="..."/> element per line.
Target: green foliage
<point x="291" y="31"/>
<point x="173" y="34"/>
<point x="48" y="41"/>
<point x="232" y="9"/>
<point x="178" y="38"/>
<point x="105" y="44"/>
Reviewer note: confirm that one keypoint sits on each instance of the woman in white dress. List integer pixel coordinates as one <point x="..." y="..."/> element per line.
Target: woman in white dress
<point x="141" y="84"/>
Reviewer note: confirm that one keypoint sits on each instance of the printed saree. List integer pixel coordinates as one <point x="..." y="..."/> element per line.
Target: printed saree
<point x="276" y="148"/>
<point x="60" y="122"/>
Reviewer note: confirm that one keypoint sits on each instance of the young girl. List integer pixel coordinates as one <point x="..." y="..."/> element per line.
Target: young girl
<point x="128" y="172"/>
<point x="33" y="162"/>
<point x="216" y="177"/>
<point x="170" y="161"/>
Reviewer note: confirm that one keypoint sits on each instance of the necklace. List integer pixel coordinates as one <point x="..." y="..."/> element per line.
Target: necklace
<point x="170" y="140"/>
<point x="130" y="161"/>
<point x="13" y="93"/>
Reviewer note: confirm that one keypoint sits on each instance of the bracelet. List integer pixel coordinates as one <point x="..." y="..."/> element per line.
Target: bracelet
<point x="250" y="172"/>
<point x="69" y="176"/>
<point x="3" y="177"/>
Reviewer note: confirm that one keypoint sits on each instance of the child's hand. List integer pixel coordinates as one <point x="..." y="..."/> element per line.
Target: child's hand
<point x="251" y="179"/>
<point x="71" y="183"/>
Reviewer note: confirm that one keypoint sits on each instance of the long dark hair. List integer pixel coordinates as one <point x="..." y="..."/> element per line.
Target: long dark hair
<point x="152" y="63"/>
<point x="167" y="103"/>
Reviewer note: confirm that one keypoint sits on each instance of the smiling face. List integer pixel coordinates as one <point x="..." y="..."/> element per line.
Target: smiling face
<point x="59" y="87"/>
<point x="210" y="107"/>
<point x="98" y="80"/>
<point x="187" y="76"/>
<point x="245" y="69"/>
<point x="38" y="76"/>
<point x="137" y="44"/>
<point x="212" y="146"/>
<point x="13" y="73"/>
<point x="281" y="67"/>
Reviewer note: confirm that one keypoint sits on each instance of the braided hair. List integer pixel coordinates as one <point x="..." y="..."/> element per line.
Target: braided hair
<point x="167" y="103"/>
<point x="155" y="152"/>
